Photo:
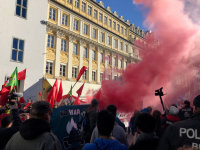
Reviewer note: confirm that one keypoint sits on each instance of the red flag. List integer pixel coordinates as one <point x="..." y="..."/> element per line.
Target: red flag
<point x="83" y="69"/>
<point x="77" y="101"/>
<point x="5" y="90"/>
<point x="79" y="91"/>
<point x="39" y="94"/>
<point x="22" y="75"/>
<point x="60" y="92"/>
<point x="53" y="94"/>
<point x="22" y="100"/>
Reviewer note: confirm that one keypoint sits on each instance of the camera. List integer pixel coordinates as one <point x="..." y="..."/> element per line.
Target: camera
<point x="159" y="92"/>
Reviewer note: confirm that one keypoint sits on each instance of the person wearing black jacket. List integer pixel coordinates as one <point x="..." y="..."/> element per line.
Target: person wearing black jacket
<point x="186" y="112"/>
<point x="183" y="133"/>
<point x="9" y="126"/>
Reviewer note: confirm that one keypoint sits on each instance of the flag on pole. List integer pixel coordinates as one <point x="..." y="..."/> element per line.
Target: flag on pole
<point x="52" y="94"/>
<point x="83" y="69"/>
<point x="13" y="79"/>
<point x="70" y="97"/>
<point x="39" y="94"/>
<point x="60" y="92"/>
<point x="22" y="75"/>
<point x="79" y="91"/>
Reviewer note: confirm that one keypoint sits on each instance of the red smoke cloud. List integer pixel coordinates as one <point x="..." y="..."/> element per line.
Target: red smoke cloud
<point x="169" y="60"/>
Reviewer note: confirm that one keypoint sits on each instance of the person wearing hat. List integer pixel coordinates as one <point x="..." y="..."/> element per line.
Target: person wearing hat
<point x="186" y="111"/>
<point x="183" y="133"/>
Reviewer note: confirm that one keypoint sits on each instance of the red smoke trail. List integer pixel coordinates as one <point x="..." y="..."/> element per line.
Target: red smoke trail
<point x="168" y="61"/>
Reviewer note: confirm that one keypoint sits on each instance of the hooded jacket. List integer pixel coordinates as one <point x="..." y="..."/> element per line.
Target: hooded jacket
<point x="105" y="144"/>
<point x="34" y="134"/>
<point x="182" y="133"/>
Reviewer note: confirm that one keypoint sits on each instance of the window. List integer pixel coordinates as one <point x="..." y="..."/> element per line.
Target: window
<point x="125" y="31"/>
<point x="93" y="75"/>
<point x="52" y="14"/>
<point x="50" y="41"/>
<point x="100" y="17"/>
<point x="114" y="25"/>
<point x="84" y="6"/>
<point x="93" y="55"/>
<point x="109" y="40"/>
<point x="115" y="77"/>
<point x="102" y="60"/>
<point x="21" y="8"/>
<point x="62" y="70"/>
<point x="85" y="75"/>
<point x="85" y="29"/>
<point x="64" y="19"/>
<point x="77" y="3"/>
<point x="63" y="45"/>
<point x="110" y="22"/>
<point x="115" y="61"/>
<point x="85" y="53"/>
<point x="69" y="1"/>
<point x="49" y="67"/>
<point x="74" y="72"/>
<point x="122" y="30"/>
<point x="121" y="46"/>
<point x="118" y="27"/>
<point x="17" y="50"/>
<point x="115" y="43"/>
<point x="102" y="37"/>
<point x="101" y="76"/>
<point x="94" y="33"/>
<point x="75" y="49"/>
<point x="95" y="13"/>
<point x="109" y="59"/>
<point x="90" y="10"/>
<point x="76" y="25"/>
<point x="105" y="19"/>
<point x="127" y="48"/>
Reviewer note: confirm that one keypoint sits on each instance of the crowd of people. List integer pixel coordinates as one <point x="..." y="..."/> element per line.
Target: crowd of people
<point x="176" y="129"/>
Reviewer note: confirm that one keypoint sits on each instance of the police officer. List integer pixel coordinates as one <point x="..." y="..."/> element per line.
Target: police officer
<point x="186" y="112"/>
<point x="183" y="133"/>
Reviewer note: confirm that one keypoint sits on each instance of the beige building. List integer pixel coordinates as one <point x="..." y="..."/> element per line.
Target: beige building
<point x="85" y="33"/>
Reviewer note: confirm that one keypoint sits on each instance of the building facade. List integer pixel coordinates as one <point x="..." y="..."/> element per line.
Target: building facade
<point x="55" y="38"/>
<point x="22" y="39"/>
<point x="85" y="33"/>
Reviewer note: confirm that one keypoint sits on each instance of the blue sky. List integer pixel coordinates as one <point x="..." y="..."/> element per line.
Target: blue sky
<point x="127" y="9"/>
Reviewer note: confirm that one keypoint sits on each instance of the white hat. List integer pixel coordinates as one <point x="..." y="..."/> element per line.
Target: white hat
<point x="173" y="110"/>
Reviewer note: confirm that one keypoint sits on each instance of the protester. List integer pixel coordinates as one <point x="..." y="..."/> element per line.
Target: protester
<point x="35" y="132"/>
<point x="132" y="124"/>
<point x="90" y="120"/>
<point x="171" y="117"/>
<point x="9" y="126"/>
<point x="120" y="123"/>
<point x="146" y="140"/>
<point x="105" y="124"/>
<point x="157" y="116"/>
<point x="184" y="132"/>
<point x="186" y="112"/>
<point x="118" y="132"/>
<point x="147" y="109"/>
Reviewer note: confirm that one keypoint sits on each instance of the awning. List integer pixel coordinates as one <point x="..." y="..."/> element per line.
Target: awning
<point x="88" y="87"/>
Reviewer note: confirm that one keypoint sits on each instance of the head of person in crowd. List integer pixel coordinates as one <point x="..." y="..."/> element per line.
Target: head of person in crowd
<point x="156" y="114"/>
<point x="147" y="110"/>
<point x="186" y="104"/>
<point x="6" y="122"/>
<point x="173" y="110"/>
<point x="94" y="104"/>
<point x="105" y="123"/>
<point x="145" y="123"/>
<point x="112" y="109"/>
<point x="196" y="103"/>
<point x="41" y="110"/>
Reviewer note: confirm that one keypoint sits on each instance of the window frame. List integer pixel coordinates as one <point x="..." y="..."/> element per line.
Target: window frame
<point x="110" y="23"/>
<point x="105" y="20"/>
<point x="94" y="55"/>
<point x="63" y="70"/>
<point x="100" y="17"/>
<point x="89" y="10"/>
<point x="94" y="34"/>
<point x="76" y="25"/>
<point x="65" y="18"/>
<point x="49" y="43"/>
<point x="96" y="14"/>
<point x="52" y="18"/>
<point x="74" y="74"/>
<point x="85" y="52"/>
<point x="64" y="45"/>
<point x="18" y="50"/>
<point x="77" y="3"/>
<point x="85" y="75"/>
<point x="74" y="49"/>
<point x="93" y="75"/>
<point x="83" y="4"/>
<point x="86" y="30"/>
<point x="49" y="67"/>
<point x="21" y="8"/>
